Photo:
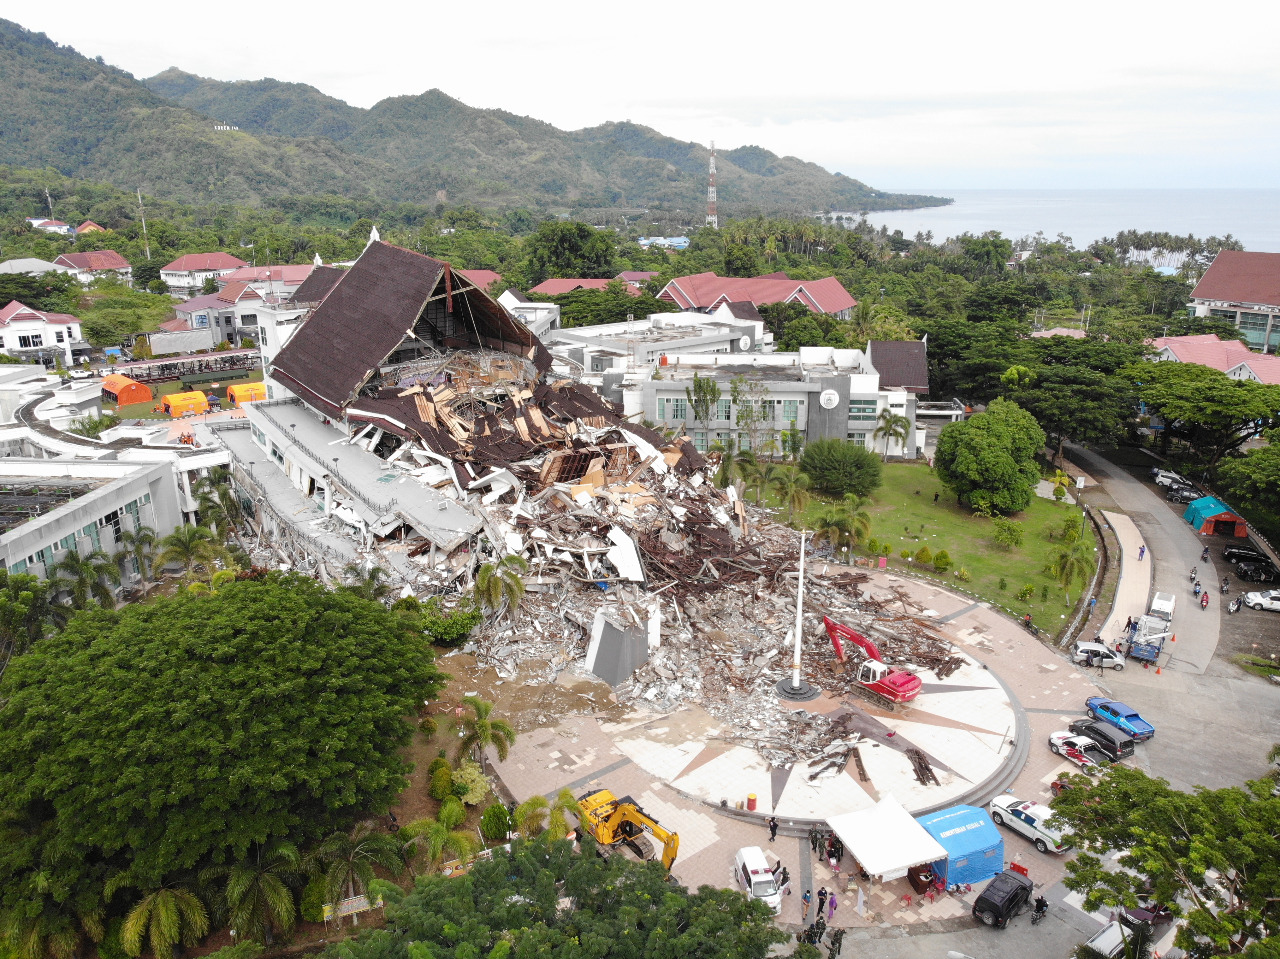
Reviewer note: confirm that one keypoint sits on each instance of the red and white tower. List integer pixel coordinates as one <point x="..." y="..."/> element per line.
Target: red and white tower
<point x="713" y="220"/>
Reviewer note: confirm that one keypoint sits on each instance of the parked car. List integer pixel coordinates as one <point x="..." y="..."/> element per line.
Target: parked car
<point x="1081" y="750"/>
<point x="757" y="880"/>
<point x="1109" y="940"/>
<point x="1124" y="718"/>
<point x="1268" y="600"/>
<point x="1148" y="911"/>
<point x="1029" y="818"/>
<point x="1263" y="572"/>
<point x="1167" y="478"/>
<point x="1243" y="553"/>
<point x="1102" y="656"/>
<point x="1002" y="899"/>
<point x="1183" y="494"/>
<point x="1115" y="744"/>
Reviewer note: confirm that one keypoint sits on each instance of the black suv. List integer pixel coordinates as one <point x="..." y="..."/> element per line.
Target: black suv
<point x="1240" y="553"/>
<point x="1114" y="744"/>
<point x="1183" y="494"/>
<point x="1260" y="572"/>
<point x="1003" y="899"/>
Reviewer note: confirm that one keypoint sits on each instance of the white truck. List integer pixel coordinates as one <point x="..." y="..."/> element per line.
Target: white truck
<point x="1162" y="606"/>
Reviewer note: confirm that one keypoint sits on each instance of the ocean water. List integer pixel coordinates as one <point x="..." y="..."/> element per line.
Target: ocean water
<point x="1251" y="216"/>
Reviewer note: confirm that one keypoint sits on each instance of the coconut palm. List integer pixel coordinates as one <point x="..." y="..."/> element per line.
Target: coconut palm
<point x="216" y="501"/>
<point x="51" y="933"/>
<point x="834" y="526"/>
<point x="561" y="806"/>
<point x="530" y="816"/>
<point x="859" y="519"/>
<point x="219" y="578"/>
<point x="140" y="546"/>
<point x="792" y="487"/>
<point x="348" y="860"/>
<point x="1074" y="561"/>
<point x="163" y="919"/>
<point x="480" y="730"/>
<point x="368" y="583"/>
<point x="892" y="426"/>
<point x="86" y="578"/>
<point x="257" y="894"/>
<point x="191" y="546"/>
<point x="434" y="839"/>
<point x="499" y="585"/>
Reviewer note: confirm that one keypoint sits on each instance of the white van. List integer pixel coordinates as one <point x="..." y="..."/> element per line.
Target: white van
<point x="1102" y="656"/>
<point x="755" y="877"/>
<point x="1162" y="606"/>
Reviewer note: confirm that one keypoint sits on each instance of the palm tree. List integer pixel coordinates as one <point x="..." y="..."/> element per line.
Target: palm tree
<point x="348" y="860"/>
<point x="216" y="501"/>
<point x="833" y="525"/>
<point x="165" y="918"/>
<point x="436" y="838"/>
<point x="51" y="933"/>
<point x="191" y="546"/>
<point x="219" y="578"/>
<point x="368" y="583"/>
<point x="1060" y="481"/>
<point x="892" y="426"/>
<point x="499" y="585"/>
<point x="563" y="804"/>
<point x="1074" y="561"/>
<point x="480" y="730"/>
<point x="792" y="487"/>
<point x="257" y="894"/>
<point x="859" y="519"/>
<point x="529" y="816"/>
<point x="85" y="577"/>
<point x="140" y="545"/>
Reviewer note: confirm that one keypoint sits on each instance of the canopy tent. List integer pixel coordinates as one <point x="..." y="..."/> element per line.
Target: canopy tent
<point x="885" y="840"/>
<point x="975" y="848"/>
<point x="242" y="393"/>
<point x="1208" y="514"/>
<point x="182" y="404"/>
<point x="124" y="391"/>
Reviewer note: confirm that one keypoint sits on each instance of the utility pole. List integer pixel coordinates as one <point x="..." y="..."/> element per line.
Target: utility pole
<point x="48" y="199"/>
<point x="146" y="243"/>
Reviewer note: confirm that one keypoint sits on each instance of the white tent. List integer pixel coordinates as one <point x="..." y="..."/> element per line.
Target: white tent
<point x="886" y="840"/>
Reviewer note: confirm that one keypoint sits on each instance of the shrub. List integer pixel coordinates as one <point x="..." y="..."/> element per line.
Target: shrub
<point x="905" y="554"/>
<point x="942" y="561"/>
<point x="873" y="546"/>
<point x="247" y="949"/>
<point x="924" y="556"/>
<point x="1008" y="532"/>
<point x="441" y="784"/>
<point x="448" y="629"/>
<point x="1003" y="584"/>
<point x="1044" y="593"/>
<point x="495" y="823"/>
<point x="962" y="574"/>
<point x="475" y="786"/>
<point x="438" y="763"/>
<point x="1026" y="592"/>
<point x="312" y="908"/>
<point x="839" y="466"/>
<point x="451" y="814"/>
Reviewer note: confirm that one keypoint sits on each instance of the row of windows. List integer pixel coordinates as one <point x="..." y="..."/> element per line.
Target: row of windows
<point x="700" y="440"/>
<point x="675" y="408"/>
<point x="47" y="554"/>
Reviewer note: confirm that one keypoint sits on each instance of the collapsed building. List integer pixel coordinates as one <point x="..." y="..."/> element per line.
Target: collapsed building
<point x="428" y="431"/>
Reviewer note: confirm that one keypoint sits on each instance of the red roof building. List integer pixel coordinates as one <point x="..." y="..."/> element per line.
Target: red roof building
<point x="88" y="226"/>
<point x="88" y="266"/>
<point x="557" y="287"/>
<point x="285" y="278"/>
<point x="1243" y="288"/>
<point x="32" y="334"/>
<point x="637" y="278"/>
<point x="187" y="274"/>
<point x="1228" y="356"/>
<point x="706" y="291"/>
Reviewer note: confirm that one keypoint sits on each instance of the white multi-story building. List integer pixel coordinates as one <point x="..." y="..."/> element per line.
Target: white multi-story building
<point x="540" y="318"/>
<point x="187" y="274"/>
<point x="34" y="335"/>
<point x="87" y="267"/>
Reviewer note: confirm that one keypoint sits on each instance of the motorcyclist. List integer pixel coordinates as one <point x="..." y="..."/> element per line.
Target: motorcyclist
<point x="1197" y="587"/>
<point x="1042" y="904"/>
<point x="1204" y="555"/>
<point x="1204" y="601"/>
<point x="1194" y="571"/>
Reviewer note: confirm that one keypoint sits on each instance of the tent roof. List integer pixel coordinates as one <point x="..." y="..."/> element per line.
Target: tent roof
<point x="114" y="382"/>
<point x="962" y="829"/>
<point x="1201" y="509"/>
<point x="885" y="838"/>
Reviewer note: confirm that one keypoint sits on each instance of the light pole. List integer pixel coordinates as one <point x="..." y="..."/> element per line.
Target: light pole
<point x="795" y="688"/>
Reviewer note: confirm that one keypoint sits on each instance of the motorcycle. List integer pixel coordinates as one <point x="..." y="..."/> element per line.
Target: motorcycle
<point x="1041" y="910"/>
<point x="1226" y="586"/>
<point x="1194" y="571"/>
<point x="1197" y="589"/>
<point x="1235" y="605"/>
<point x="1204" y="601"/>
<point x="1204" y="556"/>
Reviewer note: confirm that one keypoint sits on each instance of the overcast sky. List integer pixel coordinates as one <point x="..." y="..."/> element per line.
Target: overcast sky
<point x="921" y="95"/>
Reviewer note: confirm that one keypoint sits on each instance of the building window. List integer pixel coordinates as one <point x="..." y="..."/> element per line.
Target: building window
<point x="276" y="454"/>
<point x="859" y="438"/>
<point x="57" y="335"/>
<point x="862" y="409"/>
<point x="679" y="410"/>
<point x="724" y="409"/>
<point x="19" y="567"/>
<point x="259" y="437"/>
<point x="200" y="321"/>
<point x="30" y="341"/>
<point x="1223" y="314"/>
<point x="249" y="319"/>
<point x="790" y="411"/>
<point x="1254" y="328"/>
<point x="700" y="442"/>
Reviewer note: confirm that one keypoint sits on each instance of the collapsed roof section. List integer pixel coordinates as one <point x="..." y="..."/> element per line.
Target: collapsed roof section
<point x="393" y="306"/>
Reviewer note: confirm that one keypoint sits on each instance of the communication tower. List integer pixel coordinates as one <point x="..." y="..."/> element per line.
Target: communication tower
<point x="713" y="220"/>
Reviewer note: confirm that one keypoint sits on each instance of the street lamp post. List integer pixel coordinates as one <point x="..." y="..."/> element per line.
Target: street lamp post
<point x="795" y="688"/>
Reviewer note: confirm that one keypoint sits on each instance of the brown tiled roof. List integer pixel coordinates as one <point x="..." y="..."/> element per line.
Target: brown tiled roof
<point x="94" y="260"/>
<point x="1238" y="277"/>
<point x="366" y="316"/>
<point x="318" y="284"/>
<point x="901" y="363"/>
<point x="196" y="262"/>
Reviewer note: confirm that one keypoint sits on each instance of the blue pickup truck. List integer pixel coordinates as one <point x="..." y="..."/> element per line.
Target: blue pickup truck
<point x="1124" y="718"/>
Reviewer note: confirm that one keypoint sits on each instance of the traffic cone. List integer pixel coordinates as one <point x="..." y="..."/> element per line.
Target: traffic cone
<point x="1173" y="638"/>
<point x="1157" y="670"/>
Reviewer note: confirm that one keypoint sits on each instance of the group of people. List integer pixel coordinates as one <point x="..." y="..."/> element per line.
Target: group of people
<point x="828" y="845"/>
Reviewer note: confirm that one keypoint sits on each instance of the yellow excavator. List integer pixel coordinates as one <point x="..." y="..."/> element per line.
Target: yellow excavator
<point x="619" y="825"/>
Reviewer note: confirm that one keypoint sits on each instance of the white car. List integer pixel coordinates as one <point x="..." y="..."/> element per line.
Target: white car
<point x="1167" y="478"/>
<point x="1081" y="750"/>
<point x="751" y="869"/>
<point x="1101" y="655"/>
<point x="1268" y="600"/>
<point x="1029" y="818"/>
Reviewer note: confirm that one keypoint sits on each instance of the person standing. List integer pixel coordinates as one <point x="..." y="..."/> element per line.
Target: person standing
<point x="807" y="901"/>
<point x="815" y="837"/>
<point x="831" y="907"/>
<point x="837" y="943"/>
<point x="1142" y="551"/>
<point x="822" y="900"/>
<point x="1128" y="624"/>
<point x="773" y="828"/>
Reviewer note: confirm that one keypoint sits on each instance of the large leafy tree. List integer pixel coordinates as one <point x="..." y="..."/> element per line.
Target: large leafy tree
<point x="510" y="906"/>
<point x="840" y="466"/>
<point x="25" y="613"/>
<point x="1254" y="478"/>
<point x="169" y="737"/>
<point x="989" y="460"/>
<point x="1212" y="855"/>
<point x="1214" y="414"/>
<point x="568" y="250"/>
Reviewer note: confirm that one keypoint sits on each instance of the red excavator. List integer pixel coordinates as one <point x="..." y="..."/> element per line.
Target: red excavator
<point x="877" y="681"/>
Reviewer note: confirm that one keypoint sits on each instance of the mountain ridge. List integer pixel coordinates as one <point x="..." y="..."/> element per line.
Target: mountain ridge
<point x="166" y="135"/>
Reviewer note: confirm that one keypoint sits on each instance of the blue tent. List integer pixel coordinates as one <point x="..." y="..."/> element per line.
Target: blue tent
<point x="975" y="848"/>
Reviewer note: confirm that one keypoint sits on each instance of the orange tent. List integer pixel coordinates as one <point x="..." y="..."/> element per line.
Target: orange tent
<point x="242" y="393"/>
<point x="181" y="404"/>
<point x="122" y="391"/>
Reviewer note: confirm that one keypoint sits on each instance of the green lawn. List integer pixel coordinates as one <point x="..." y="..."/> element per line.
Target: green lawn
<point x="904" y="514"/>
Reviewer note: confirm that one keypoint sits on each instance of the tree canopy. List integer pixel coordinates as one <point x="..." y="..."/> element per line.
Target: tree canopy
<point x="512" y="906"/>
<point x="989" y="460"/>
<point x="841" y="466"/>
<point x="143" y="744"/>
<point x="1213" y="855"/>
